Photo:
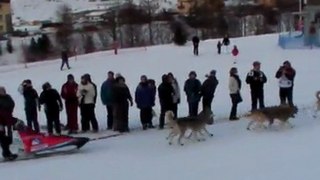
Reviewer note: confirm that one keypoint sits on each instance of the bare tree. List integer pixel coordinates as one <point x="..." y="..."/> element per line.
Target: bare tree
<point x="65" y="30"/>
<point x="131" y="17"/>
<point x="151" y="7"/>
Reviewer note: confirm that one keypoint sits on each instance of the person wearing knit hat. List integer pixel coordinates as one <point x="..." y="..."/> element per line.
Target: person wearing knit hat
<point x="256" y="79"/>
<point x="192" y="88"/>
<point x="208" y="89"/>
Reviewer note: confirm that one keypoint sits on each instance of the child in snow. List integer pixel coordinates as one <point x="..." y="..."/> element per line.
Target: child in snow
<point x="235" y="53"/>
<point x="219" y="47"/>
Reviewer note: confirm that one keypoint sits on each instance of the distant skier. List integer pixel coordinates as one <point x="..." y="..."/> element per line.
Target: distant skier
<point x="52" y="102"/>
<point x="31" y="101"/>
<point x="226" y="43"/>
<point x="6" y="122"/>
<point x="219" y="45"/>
<point x="195" y="41"/>
<point x="235" y="53"/>
<point x="65" y="59"/>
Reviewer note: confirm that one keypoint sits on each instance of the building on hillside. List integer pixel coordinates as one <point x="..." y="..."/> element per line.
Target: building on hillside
<point x="5" y="16"/>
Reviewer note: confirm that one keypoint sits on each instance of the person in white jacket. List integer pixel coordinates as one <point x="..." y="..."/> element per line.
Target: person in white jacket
<point x="177" y="95"/>
<point x="234" y="88"/>
<point x="86" y="95"/>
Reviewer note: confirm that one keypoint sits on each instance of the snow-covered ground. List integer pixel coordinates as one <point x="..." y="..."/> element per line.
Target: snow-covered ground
<point x="232" y="154"/>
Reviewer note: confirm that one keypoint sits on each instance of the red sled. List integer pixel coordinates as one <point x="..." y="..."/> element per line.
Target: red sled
<point x="39" y="143"/>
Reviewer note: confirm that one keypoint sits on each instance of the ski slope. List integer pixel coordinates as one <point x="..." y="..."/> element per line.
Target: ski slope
<point x="232" y="154"/>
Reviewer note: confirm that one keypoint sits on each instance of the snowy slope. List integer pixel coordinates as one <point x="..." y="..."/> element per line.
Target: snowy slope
<point x="39" y="10"/>
<point x="232" y="154"/>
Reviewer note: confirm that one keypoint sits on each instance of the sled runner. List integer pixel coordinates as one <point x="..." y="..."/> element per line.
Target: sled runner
<point x="29" y="144"/>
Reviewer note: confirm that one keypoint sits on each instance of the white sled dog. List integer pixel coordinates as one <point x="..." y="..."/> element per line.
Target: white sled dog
<point x="195" y="124"/>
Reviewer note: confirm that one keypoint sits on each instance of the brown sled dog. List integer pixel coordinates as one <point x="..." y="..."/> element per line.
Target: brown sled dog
<point x="195" y="124"/>
<point x="282" y="113"/>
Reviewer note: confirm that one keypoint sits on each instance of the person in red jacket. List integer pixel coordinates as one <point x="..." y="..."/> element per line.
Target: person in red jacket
<point x="7" y="121"/>
<point x="235" y="53"/>
<point x="69" y="94"/>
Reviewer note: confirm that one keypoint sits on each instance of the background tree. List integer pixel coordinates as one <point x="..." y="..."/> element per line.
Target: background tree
<point x="131" y="16"/>
<point x="89" y="44"/>
<point x="9" y="46"/>
<point x="207" y="15"/>
<point x="151" y="7"/>
<point x="180" y="35"/>
<point x="65" y="30"/>
<point x="33" y="47"/>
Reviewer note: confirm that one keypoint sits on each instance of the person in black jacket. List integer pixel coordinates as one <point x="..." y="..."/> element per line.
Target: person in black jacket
<point x="6" y="122"/>
<point x="52" y="102"/>
<point x="286" y="75"/>
<point x="256" y="79"/>
<point x="165" y="92"/>
<point x="208" y="89"/>
<point x="219" y="45"/>
<point x="31" y="104"/>
<point x="195" y="41"/>
<point x="65" y="59"/>
<point x="192" y="88"/>
<point x="226" y="42"/>
<point x="121" y="99"/>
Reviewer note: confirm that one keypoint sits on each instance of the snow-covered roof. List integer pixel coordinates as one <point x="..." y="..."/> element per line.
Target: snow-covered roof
<point x="96" y="13"/>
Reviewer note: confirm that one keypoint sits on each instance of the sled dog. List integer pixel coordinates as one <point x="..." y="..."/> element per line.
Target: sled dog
<point x="195" y="124"/>
<point x="282" y="113"/>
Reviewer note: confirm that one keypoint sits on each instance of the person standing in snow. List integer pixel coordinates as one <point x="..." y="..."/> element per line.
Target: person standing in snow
<point x="226" y="42"/>
<point x="52" y="103"/>
<point x="65" y="59"/>
<point x="31" y="101"/>
<point x="165" y="92"/>
<point x="208" y="89"/>
<point x="121" y="99"/>
<point x="152" y="85"/>
<point x="176" y="95"/>
<point x="6" y="122"/>
<point x="195" y="41"/>
<point x="69" y="94"/>
<point x="86" y="97"/>
<point x="256" y="79"/>
<point x="286" y="75"/>
<point x="144" y="98"/>
<point x="192" y="88"/>
<point x="106" y="97"/>
<point x="234" y="88"/>
<point x="235" y="53"/>
<point x="219" y="45"/>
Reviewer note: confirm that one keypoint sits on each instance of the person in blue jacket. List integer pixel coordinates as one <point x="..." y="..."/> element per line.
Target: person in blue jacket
<point x="106" y="97"/>
<point x="144" y="97"/>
